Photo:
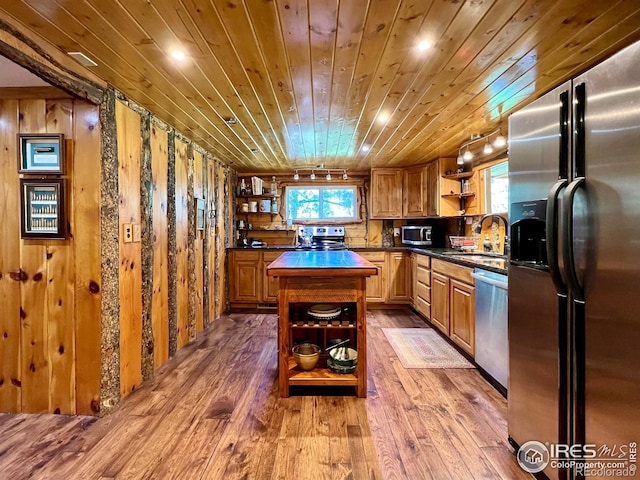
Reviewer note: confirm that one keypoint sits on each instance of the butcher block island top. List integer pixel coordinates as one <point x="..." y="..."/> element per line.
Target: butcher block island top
<point x="308" y="278"/>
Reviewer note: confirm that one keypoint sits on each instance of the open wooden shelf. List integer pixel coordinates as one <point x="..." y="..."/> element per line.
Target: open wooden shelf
<point x="321" y="375"/>
<point x="458" y="176"/>
<point x="458" y="195"/>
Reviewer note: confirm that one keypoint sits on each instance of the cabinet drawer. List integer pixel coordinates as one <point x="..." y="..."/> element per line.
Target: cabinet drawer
<point x="246" y="256"/>
<point x="270" y="256"/>
<point x="373" y="256"/>
<point x="423" y="307"/>
<point x="424" y="292"/>
<point x="423" y="275"/>
<point x="452" y="270"/>
<point x="423" y="261"/>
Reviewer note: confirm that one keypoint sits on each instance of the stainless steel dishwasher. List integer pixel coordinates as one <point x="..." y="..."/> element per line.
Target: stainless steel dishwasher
<point x="492" y="344"/>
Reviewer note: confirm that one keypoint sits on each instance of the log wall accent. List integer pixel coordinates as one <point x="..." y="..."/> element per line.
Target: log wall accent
<point x="146" y="209"/>
<point x="172" y="244"/>
<point x="213" y="249"/>
<point x="51" y="289"/>
<point x="191" y="240"/>
<point x="109" y="254"/>
<point x="198" y="242"/>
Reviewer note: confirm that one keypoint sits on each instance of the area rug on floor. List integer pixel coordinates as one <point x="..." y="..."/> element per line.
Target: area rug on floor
<point x="423" y="348"/>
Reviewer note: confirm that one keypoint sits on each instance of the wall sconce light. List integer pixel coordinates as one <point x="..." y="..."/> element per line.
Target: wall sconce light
<point x="296" y="177"/>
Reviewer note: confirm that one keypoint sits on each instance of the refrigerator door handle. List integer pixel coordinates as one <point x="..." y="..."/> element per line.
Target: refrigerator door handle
<point x="565" y="228"/>
<point x="551" y="233"/>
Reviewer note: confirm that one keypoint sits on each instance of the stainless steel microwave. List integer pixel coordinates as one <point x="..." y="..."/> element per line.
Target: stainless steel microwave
<point x="417" y="235"/>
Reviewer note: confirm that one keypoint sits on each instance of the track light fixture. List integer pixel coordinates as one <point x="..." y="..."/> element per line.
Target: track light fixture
<point x="320" y="168"/>
<point x="489" y="147"/>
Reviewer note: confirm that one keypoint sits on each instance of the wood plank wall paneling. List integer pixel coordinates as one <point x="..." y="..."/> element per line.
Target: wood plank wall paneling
<point x="10" y="368"/>
<point x="182" y="241"/>
<point x="61" y="280"/>
<point x="85" y="211"/>
<point x="33" y="293"/>
<point x="129" y="150"/>
<point x="198" y="247"/>
<point x="160" y="304"/>
<point x="213" y="240"/>
<point x="50" y="288"/>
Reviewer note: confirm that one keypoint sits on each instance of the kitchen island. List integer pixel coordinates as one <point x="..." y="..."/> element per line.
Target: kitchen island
<point x="307" y="278"/>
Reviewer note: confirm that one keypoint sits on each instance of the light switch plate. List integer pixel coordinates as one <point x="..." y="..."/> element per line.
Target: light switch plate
<point x="137" y="232"/>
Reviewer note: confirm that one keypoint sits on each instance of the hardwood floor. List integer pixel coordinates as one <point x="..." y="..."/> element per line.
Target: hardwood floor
<point x="214" y="412"/>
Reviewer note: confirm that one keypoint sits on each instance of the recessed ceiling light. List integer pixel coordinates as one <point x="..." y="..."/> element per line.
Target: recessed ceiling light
<point x="178" y="55"/>
<point x="424" y="45"/>
<point x="383" y="117"/>
<point x="82" y="59"/>
<point x="365" y="148"/>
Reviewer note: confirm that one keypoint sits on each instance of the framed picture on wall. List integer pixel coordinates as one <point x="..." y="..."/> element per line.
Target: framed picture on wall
<point x="199" y="214"/>
<point x="42" y="212"/>
<point x="41" y="153"/>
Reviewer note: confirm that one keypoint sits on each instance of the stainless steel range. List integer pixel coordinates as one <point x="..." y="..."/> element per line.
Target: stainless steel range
<point x="321" y="238"/>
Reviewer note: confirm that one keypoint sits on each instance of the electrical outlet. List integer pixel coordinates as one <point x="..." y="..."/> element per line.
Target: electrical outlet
<point x="396" y="232"/>
<point x="127" y="233"/>
<point x="137" y="232"/>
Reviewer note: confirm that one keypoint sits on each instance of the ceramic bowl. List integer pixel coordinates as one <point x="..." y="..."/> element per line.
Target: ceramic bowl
<point x="306" y="355"/>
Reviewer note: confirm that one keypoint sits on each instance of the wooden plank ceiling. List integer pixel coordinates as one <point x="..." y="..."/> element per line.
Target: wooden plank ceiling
<point x="308" y="80"/>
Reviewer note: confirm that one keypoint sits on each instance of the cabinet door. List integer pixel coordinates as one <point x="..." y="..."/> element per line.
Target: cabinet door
<point x="414" y="192"/>
<point x="462" y="298"/>
<point x="245" y="277"/>
<point x="432" y="192"/>
<point x="376" y="284"/>
<point x="270" y="285"/>
<point x="399" y="277"/>
<point x="440" y="301"/>
<point x="386" y="193"/>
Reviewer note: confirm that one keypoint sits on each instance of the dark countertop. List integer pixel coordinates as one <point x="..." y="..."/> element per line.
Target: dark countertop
<point x="494" y="264"/>
<point x="330" y="263"/>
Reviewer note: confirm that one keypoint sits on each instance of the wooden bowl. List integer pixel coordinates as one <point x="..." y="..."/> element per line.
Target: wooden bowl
<point x="306" y="355"/>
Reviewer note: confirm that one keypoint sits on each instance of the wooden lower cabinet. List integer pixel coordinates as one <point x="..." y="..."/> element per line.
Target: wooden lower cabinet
<point x="245" y="279"/>
<point x="250" y="285"/>
<point x="462" y="320"/>
<point x="377" y="284"/>
<point x="453" y="303"/>
<point x="399" y="277"/>
<point x="248" y="282"/>
<point x="440" y="301"/>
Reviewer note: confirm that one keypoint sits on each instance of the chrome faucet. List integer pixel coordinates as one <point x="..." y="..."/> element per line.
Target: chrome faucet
<point x="478" y="229"/>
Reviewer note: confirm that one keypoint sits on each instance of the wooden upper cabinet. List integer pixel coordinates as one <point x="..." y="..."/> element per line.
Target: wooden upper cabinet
<point x="386" y="193"/>
<point x="414" y="192"/>
<point x="432" y="190"/>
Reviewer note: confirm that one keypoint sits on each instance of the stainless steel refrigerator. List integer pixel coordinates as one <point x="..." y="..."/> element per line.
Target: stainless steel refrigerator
<point x="574" y="273"/>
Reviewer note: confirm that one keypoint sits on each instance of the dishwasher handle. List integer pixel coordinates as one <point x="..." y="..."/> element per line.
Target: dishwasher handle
<point x="496" y="283"/>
